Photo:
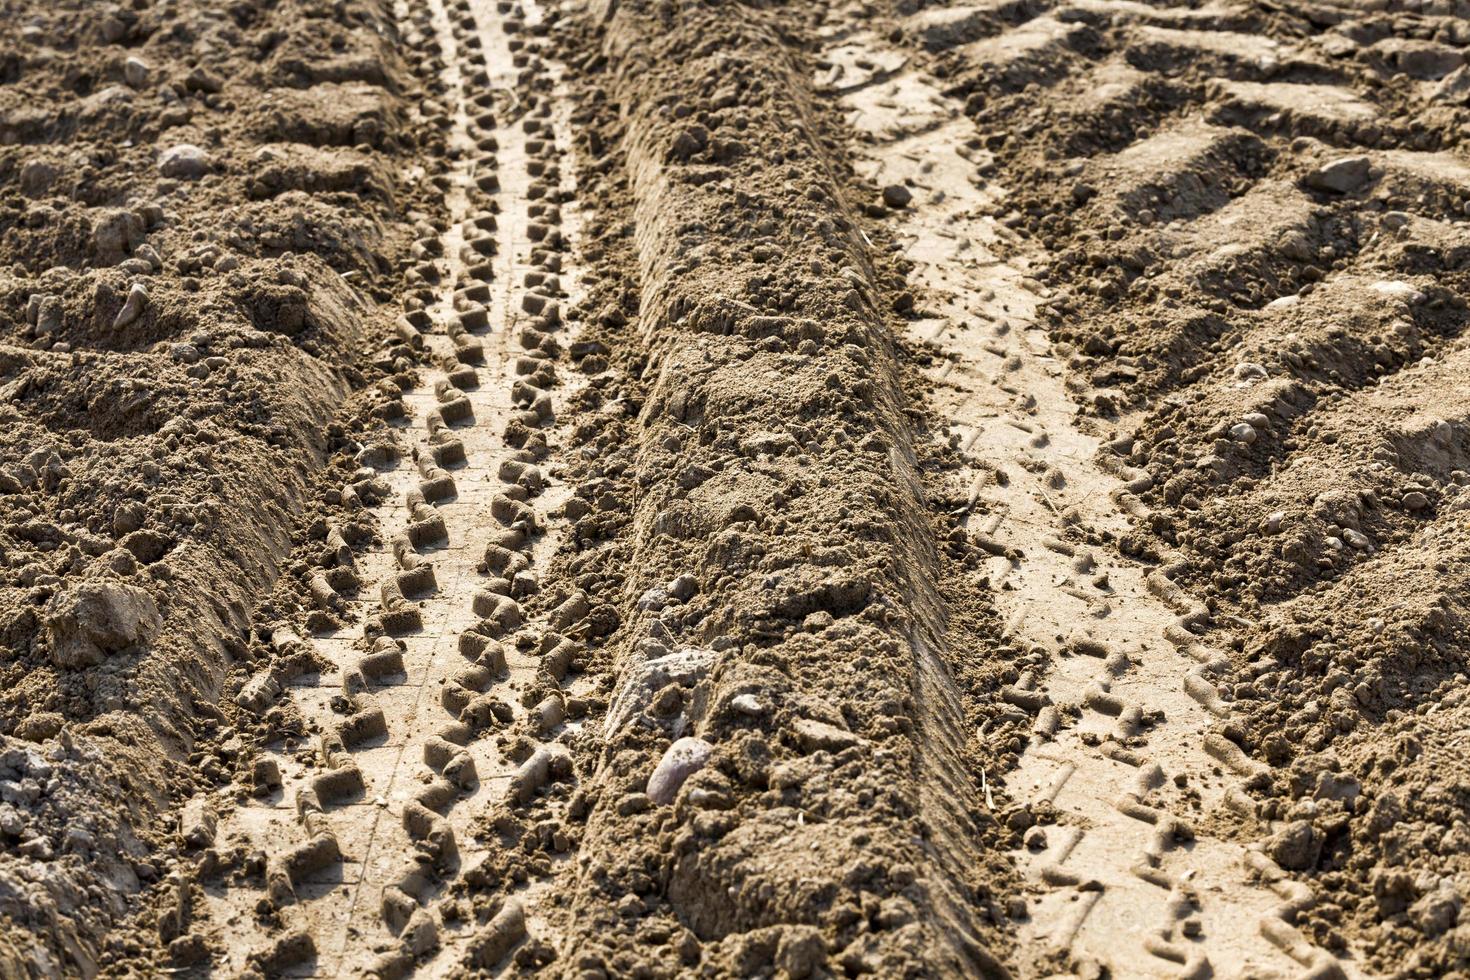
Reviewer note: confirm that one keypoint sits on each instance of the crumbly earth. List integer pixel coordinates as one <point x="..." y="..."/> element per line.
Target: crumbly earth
<point x="573" y="366"/>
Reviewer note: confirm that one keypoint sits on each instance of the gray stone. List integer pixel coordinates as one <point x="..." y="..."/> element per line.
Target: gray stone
<point x="133" y="307"/>
<point x="683" y="588"/>
<point x="1341" y="176"/>
<point x="748" y="705"/>
<point x="683" y="759"/>
<point x="135" y="72"/>
<point x="48" y="315"/>
<point x="1243" y="432"/>
<point x="184" y="162"/>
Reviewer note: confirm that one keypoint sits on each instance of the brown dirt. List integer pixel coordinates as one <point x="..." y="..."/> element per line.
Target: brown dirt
<point x="650" y="489"/>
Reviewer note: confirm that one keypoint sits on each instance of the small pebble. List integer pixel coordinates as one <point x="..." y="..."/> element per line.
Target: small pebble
<point x="897" y="196"/>
<point x="183" y="162"/>
<point x="135" y="72"/>
<point x="1243" y="432"/>
<point x="748" y="704"/>
<point x="683" y="759"/>
<point x="1341" y="176"/>
<point x="133" y="308"/>
<point x="683" y="588"/>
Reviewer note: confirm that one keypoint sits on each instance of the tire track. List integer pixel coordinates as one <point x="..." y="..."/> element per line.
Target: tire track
<point x="1115" y="761"/>
<point x="1286" y="342"/>
<point x="387" y="811"/>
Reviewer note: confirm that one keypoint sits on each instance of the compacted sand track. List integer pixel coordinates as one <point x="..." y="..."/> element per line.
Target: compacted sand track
<point x="1123" y="761"/>
<point x="362" y="844"/>
<point x="413" y="707"/>
<point x="631" y="489"/>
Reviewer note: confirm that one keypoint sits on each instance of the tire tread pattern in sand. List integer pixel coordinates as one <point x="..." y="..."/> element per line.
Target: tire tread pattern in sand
<point x="405" y="761"/>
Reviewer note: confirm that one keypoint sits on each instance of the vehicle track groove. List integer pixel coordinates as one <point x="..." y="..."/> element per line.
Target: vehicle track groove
<point x="1121" y="858"/>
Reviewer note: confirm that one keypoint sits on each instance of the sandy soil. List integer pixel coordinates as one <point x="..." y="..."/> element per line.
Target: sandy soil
<point x="653" y="489"/>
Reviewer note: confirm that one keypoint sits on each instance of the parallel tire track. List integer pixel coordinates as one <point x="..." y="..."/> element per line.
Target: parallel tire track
<point x="1117" y="727"/>
<point x="385" y="819"/>
<point x="1209" y="183"/>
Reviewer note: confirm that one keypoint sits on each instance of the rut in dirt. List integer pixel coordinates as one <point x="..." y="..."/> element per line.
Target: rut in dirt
<point x="1246" y="233"/>
<point x="449" y="701"/>
<point x="1122" y="761"/>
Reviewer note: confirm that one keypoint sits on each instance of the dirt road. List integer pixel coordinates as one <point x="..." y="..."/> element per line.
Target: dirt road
<point x="629" y="489"/>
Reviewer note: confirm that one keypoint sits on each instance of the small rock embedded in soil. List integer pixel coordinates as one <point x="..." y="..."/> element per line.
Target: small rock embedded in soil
<point x="133" y="307"/>
<point x="683" y="588"/>
<point x="47" y="314"/>
<point x="682" y="759"/>
<point x="184" y="162"/>
<point x="135" y="72"/>
<point x="1341" y="176"/>
<point x="897" y="196"/>
<point x="748" y="705"/>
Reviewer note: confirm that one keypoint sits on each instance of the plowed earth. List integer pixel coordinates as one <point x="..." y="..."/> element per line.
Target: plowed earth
<point x="631" y="489"/>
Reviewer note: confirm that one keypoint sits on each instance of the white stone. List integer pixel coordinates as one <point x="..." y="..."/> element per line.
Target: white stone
<point x="683" y="759"/>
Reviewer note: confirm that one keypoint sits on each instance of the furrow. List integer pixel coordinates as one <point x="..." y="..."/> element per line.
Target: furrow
<point x="1110" y="794"/>
<point x="448" y="648"/>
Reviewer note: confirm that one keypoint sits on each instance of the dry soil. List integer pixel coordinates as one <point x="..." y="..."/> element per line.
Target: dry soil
<point x="656" y="488"/>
